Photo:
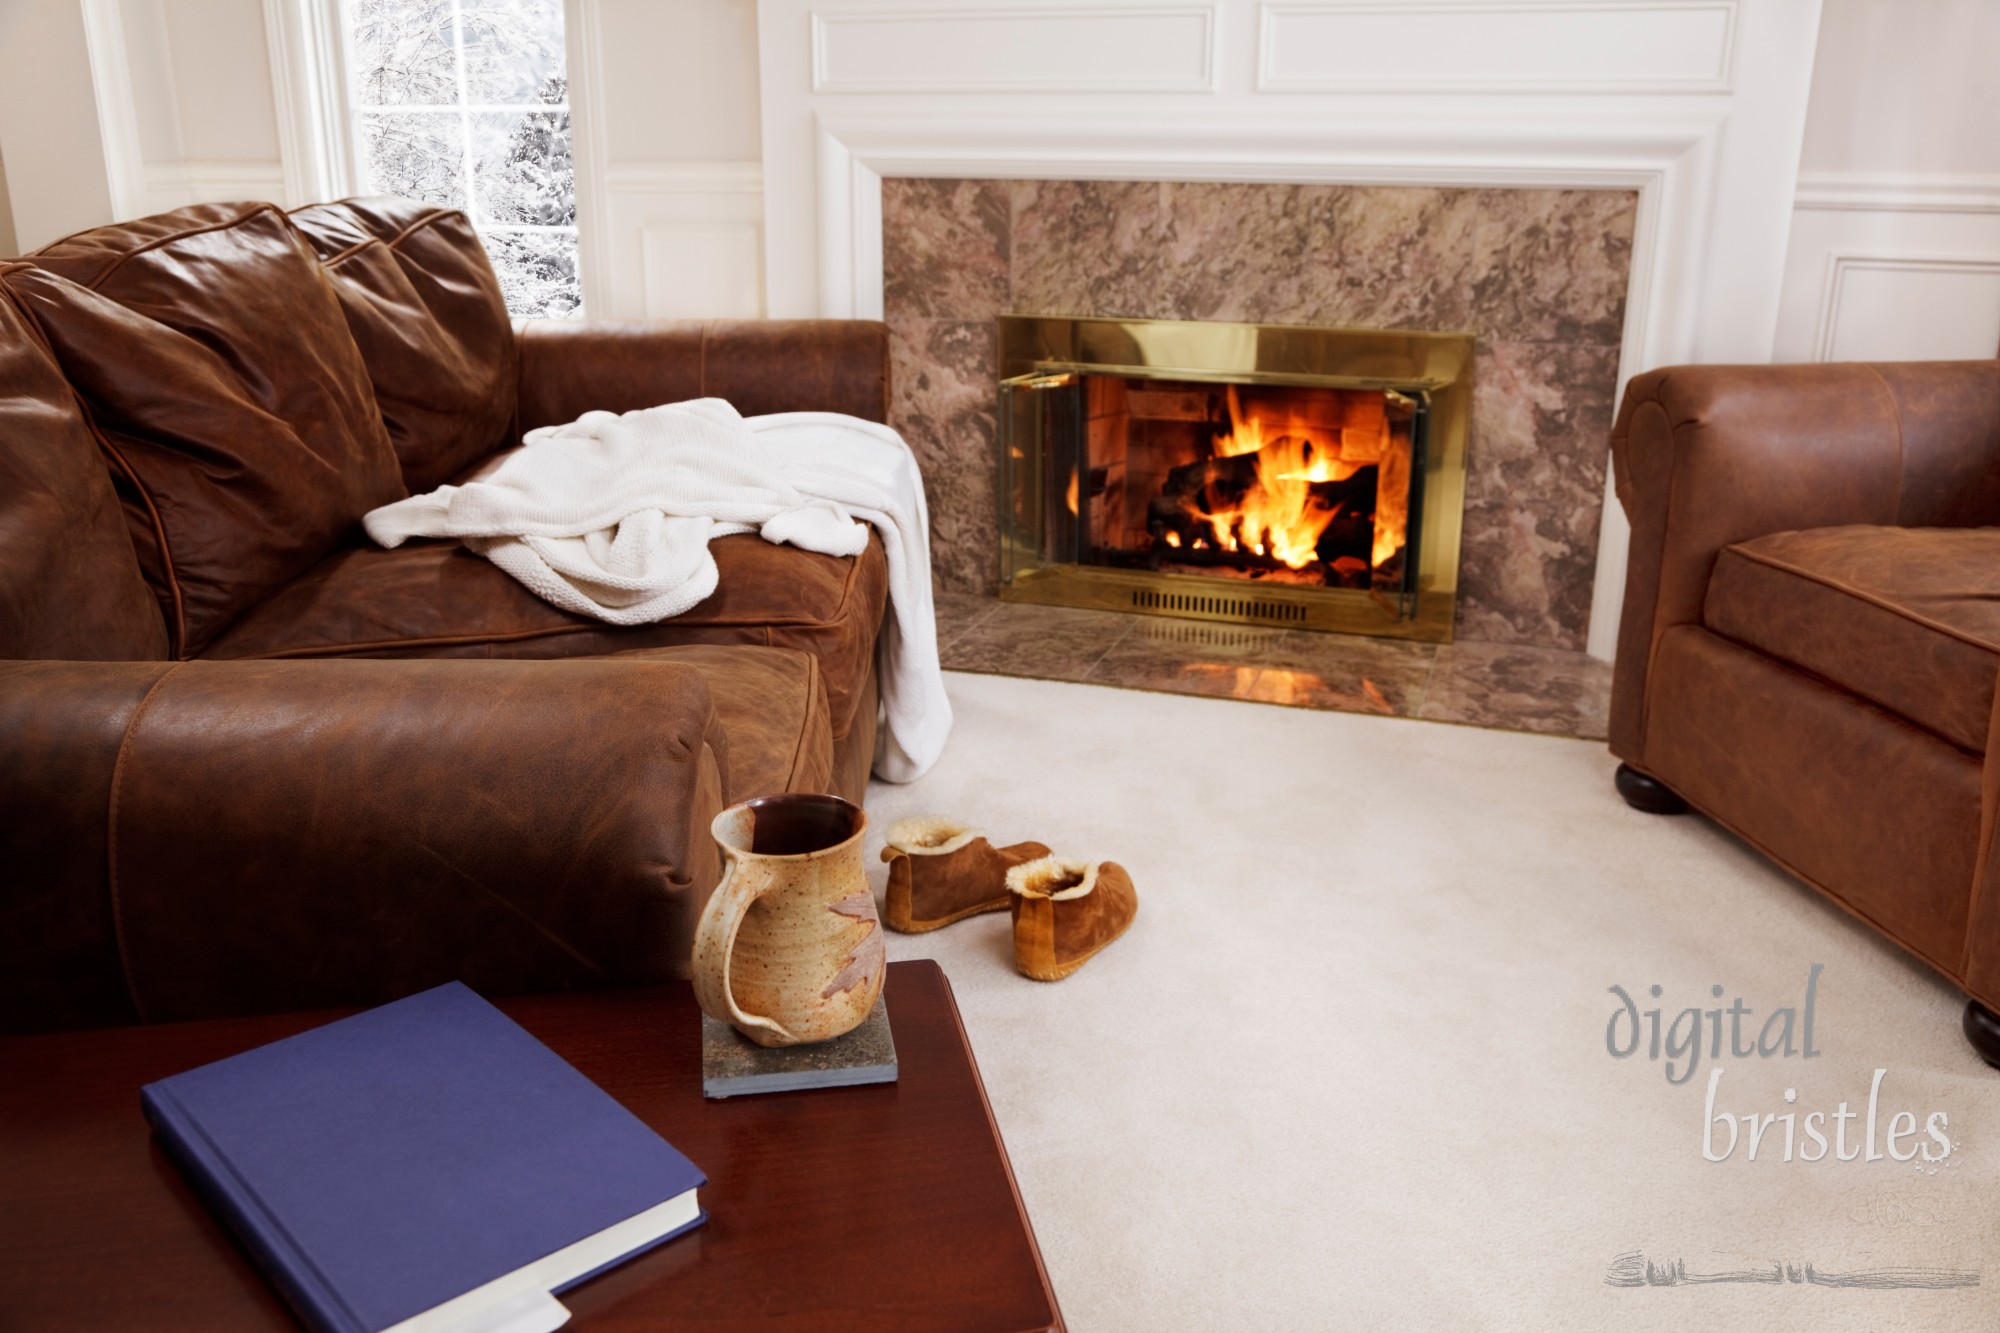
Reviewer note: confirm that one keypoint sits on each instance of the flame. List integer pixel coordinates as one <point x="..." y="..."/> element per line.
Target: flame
<point x="1278" y="518"/>
<point x="1069" y="496"/>
<point x="1392" y="499"/>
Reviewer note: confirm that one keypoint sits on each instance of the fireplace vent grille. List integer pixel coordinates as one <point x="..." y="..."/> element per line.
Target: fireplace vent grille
<point x="1238" y="608"/>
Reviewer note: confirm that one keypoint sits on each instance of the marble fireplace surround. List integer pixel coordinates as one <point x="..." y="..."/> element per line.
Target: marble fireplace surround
<point x="1539" y="276"/>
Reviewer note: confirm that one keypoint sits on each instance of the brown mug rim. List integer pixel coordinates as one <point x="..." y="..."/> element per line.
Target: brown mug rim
<point x="754" y="803"/>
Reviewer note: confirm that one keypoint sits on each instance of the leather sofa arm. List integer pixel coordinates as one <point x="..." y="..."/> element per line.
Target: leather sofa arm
<point x="761" y="366"/>
<point x="210" y="838"/>
<point x="1708" y="456"/>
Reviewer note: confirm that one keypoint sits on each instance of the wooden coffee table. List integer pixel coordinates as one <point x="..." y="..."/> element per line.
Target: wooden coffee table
<point x="884" y="1208"/>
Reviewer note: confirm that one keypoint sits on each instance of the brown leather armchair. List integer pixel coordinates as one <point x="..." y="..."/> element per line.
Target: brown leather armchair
<point x="250" y="761"/>
<point x="1811" y="635"/>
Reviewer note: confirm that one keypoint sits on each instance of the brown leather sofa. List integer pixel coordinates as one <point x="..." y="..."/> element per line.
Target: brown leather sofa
<point x="249" y="761"/>
<point x="1811" y="635"/>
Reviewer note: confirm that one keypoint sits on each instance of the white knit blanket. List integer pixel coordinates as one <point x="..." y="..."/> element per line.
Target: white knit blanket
<point x="611" y="516"/>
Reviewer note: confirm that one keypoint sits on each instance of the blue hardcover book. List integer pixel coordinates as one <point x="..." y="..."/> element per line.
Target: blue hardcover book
<point x="422" y="1167"/>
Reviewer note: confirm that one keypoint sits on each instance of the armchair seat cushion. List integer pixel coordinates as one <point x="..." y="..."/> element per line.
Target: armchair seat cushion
<point x="437" y="599"/>
<point x="1907" y="618"/>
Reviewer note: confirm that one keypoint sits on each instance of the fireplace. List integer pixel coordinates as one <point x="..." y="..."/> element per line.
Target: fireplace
<point x="1278" y="475"/>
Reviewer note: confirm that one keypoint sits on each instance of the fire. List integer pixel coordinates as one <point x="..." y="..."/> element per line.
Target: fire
<point x="1069" y="496"/>
<point x="1278" y="517"/>
<point x="1392" y="500"/>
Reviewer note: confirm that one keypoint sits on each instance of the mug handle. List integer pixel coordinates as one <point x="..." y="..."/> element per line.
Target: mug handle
<point x="715" y="943"/>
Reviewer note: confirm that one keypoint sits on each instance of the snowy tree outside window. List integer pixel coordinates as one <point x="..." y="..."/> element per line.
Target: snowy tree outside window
<point x="465" y="103"/>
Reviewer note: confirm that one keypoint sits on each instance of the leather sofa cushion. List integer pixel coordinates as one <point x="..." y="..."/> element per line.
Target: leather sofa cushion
<point x="772" y="706"/>
<point x="228" y="396"/>
<point x="70" y="585"/>
<point x="1907" y="618"/>
<point x="436" y="599"/>
<point x="425" y="309"/>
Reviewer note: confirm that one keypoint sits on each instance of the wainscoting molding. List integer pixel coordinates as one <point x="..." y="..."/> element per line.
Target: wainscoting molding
<point x="685" y="240"/>
<point x="962" y="49"/>
<point x="1892" y="268"/>
<point x="177" y="184"/>
<point x="1893" y="307"/>
<point x="1476" y="46"/>
<point x="1865" y="192"/>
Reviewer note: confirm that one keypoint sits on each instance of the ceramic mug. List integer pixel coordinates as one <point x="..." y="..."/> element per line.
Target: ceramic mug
<point x="789" y="948"/>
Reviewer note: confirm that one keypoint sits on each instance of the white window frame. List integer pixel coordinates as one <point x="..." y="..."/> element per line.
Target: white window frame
<point x="309" y="84"/>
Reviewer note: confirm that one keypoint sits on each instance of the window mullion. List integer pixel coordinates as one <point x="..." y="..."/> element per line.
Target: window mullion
<point x="464" y="113"/>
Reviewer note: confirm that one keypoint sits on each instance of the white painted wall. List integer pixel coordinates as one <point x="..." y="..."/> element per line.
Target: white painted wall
<point x="201" y="81"/>
<point x="670" y="188"/>
<point x="1906" y="86"/>
<point x="222" y="80"/>
<point x="7" y="243"/>
<point x="1895" y="242"/>
<point x="49" y="136"/>
<point x="680" y="80"/>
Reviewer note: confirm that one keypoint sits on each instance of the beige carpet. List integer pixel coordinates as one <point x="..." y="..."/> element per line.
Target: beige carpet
<point x="1348" y="1070"/>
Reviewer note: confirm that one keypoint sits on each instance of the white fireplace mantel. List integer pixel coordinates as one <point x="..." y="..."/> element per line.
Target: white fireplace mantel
<point x="1699" y="105"/>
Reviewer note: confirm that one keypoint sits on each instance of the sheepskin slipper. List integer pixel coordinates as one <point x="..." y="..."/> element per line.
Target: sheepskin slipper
<point x="941" y="871"/>
<point x="1065" y="912"/>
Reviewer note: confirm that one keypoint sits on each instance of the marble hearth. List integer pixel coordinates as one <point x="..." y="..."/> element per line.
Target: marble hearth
<point x="1539" y="276"/>
<point x="1513" y="687"/>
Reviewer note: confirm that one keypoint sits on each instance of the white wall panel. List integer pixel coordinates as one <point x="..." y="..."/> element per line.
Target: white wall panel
<point x="1473" y="46"/>
<point x="1874" y="280"/>
<point x="703" y="271"/>
<point x="1909" y="308"/>
<point x="682" y="241"/>
<point x="670" y="229"/>
<point x="1896" y="227"/>
<point x="1083" y="49"/>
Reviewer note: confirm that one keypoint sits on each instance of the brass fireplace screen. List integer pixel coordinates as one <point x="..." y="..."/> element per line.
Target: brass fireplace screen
<point x="1295" y="477"/>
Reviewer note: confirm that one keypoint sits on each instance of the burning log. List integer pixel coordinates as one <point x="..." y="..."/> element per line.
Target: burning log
<point x="1209" y="557"/>
<point x="1231" y="477"/>
<point x="1181" y="510"/>
<point x="1228" y="476"/>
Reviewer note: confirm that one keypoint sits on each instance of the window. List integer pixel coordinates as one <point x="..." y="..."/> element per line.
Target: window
<point x="465" y="103"/>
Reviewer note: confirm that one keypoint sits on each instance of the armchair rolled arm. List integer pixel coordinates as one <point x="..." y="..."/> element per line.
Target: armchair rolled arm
<point x="205" y="838"/>
<point x="761" y="366"/>
<point x="1707" y="456"/>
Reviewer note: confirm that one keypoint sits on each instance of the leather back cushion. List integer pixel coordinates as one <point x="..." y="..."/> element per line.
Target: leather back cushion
<point x="425" y="308"/>
<point x="70" y="586"/>
<point x="228" y="396"/>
